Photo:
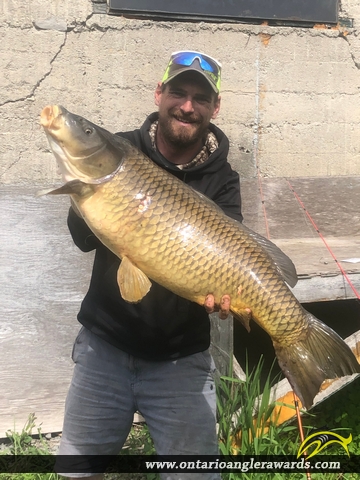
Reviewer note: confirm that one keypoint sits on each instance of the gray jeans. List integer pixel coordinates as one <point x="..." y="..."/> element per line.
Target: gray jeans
<point x="176" y="398"/>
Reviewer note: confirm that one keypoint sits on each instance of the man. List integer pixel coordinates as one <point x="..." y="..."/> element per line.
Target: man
<point x="153" y="356"/>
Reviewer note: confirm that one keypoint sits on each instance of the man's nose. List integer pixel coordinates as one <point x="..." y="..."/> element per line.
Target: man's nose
<point x="187" y="106"/>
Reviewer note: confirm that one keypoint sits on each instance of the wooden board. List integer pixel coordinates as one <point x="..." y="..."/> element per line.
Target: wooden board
<point x="333" y="202"/>
<point x="44" y="277"/>
<point x="333" y="205"/>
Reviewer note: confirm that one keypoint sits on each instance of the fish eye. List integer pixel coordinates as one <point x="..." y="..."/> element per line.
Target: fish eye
<point x="88" y="130"/>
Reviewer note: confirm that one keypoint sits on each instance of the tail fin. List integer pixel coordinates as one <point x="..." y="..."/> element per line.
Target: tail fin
<point x="320" y="355"/>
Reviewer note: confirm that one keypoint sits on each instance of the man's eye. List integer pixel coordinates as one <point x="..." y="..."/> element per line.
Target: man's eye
<point x="203" y="100"/>
<point x="176" y="93"/>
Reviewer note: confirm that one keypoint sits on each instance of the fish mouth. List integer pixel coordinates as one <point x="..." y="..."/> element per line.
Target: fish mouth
<point x="52" y="119"/>
<point x="59" y="124"/>
<point x="49" y="114"/>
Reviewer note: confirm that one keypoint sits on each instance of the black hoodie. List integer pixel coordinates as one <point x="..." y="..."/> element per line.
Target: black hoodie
<point x="162" y="325"/>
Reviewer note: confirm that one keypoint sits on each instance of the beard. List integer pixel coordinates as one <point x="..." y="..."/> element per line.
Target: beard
<point x="182" y="136"/>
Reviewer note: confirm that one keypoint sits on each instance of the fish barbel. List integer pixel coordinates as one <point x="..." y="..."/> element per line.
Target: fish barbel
<point x="164" y="230"/>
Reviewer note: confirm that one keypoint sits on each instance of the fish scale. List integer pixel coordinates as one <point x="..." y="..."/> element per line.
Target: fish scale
<point x="181" y="262"/>
<point x="165" y="231"/>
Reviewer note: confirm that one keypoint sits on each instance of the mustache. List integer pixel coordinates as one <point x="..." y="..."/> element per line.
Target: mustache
<point x="190" y="118"/>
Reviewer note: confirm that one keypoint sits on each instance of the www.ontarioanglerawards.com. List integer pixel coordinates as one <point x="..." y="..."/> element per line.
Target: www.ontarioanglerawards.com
<point x="180" y="463"/>
<point x="252" y="464"/>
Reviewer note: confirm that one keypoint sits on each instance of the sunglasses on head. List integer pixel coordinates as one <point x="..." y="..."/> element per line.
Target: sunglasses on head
<point x="210" y="67"/>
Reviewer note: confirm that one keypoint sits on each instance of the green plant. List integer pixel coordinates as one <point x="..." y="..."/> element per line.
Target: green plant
<point x="254" y="431"/>
<point x="29" y="476"/>
<point x="22" y="444"/>
<point x="247" y="419"/>
<point x="139" y="441"/>
<point x="340" y="413"/>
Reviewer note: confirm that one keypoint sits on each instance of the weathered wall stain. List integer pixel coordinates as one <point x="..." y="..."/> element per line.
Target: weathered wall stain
<point x="265" y="38"/>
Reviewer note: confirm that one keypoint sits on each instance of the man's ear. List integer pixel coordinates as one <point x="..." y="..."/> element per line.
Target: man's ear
<point x="158" y="92"/>
<point x="217" y="108"/>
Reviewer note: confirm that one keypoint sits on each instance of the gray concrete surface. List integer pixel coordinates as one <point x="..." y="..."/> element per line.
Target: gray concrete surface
<point x="290" y="96"/>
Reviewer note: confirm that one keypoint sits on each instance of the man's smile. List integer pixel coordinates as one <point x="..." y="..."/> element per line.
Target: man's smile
<point x="186" y="121"/>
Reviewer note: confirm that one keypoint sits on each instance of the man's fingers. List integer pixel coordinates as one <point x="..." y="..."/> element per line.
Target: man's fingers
<point x="224" y="307"/>
<point x="209" y="303"/>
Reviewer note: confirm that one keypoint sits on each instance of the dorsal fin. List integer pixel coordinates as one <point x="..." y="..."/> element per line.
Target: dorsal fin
<point x="284" y="264"/>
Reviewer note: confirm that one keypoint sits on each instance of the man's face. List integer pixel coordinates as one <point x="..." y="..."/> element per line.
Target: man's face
<point x="186" y="106"/>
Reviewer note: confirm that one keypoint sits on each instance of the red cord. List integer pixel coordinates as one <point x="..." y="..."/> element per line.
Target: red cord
<point x="325" y="242"/>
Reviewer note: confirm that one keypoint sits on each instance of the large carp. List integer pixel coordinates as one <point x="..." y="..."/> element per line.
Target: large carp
<point x="165" y="231"/>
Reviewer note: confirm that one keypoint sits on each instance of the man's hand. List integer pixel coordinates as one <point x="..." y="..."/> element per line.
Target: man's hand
<point x="223" y="309"/>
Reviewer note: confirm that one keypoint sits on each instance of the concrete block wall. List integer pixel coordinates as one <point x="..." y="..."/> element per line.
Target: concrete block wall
<point x="290" y="96"/>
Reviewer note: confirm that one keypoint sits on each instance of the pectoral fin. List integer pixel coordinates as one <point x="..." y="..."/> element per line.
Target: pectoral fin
<point x="133" y="283"/>
<point x="76" y="187"/>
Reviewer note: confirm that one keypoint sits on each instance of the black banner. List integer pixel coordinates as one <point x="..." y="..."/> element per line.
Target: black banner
<point x="185" y="463"/>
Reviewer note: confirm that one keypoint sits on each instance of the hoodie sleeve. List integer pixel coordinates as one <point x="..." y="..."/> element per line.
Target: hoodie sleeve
<point x="81" y="233"/>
